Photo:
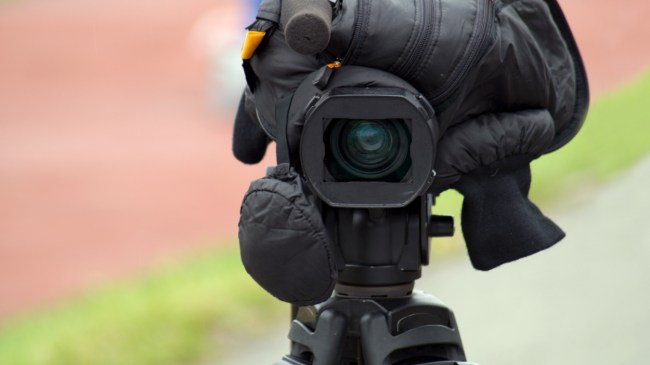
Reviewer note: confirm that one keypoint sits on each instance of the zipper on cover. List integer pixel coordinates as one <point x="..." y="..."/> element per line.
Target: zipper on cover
<point x="484" y="31"/>
<point x="360" y="26"/>
<point x="422" y="42"/>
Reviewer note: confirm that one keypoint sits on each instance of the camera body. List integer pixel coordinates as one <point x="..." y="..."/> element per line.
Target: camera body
<point x="366" y="150"/>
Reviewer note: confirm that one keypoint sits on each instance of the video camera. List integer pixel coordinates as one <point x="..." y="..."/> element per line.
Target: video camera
<point x="376" y="107"/>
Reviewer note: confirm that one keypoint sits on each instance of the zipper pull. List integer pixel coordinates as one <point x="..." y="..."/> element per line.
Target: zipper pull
<point x="323" y="77"/>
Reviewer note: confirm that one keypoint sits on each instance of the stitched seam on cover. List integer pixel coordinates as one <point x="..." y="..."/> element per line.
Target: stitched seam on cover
<point x="393" y="68"/>
<point x="436" y="33"/>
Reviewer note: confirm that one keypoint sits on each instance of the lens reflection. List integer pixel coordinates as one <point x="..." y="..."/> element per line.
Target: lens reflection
<point x="361" y="149"/>
<point x="368" y="143"/>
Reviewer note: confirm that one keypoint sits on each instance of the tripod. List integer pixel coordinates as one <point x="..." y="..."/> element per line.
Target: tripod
<point x="375" y="317"/>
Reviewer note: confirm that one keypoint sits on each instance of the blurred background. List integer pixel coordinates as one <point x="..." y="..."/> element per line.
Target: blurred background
<point x="119" y="196"/>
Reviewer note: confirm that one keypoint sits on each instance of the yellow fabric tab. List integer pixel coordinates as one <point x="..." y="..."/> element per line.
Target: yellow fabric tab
<point x="252" y="41"/>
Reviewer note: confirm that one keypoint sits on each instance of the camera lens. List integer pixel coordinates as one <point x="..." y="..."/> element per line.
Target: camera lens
<point x="361" y="149"/>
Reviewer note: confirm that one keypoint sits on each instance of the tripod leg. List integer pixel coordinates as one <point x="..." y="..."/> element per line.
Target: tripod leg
<point x="413" y="330"/>
<point x="379" y="343"/>
<point x="321" y="346"/>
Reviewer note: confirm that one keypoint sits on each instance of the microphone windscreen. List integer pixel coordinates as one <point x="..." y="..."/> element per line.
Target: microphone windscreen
<point x="249" y="140"/>
<point x="307" y="25"/>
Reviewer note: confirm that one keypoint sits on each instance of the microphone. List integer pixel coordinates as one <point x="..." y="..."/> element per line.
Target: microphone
<point x="307" y="24"/>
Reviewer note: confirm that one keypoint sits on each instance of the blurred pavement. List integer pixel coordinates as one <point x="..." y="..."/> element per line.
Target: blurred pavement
<point x="584" y="301"/>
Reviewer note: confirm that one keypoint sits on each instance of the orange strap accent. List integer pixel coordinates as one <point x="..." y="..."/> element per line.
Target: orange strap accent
<point x="252" y="41"/>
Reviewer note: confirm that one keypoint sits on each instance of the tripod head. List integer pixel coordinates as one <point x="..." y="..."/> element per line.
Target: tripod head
<point x="374" y="316"/>
<point x="383" y="250"/>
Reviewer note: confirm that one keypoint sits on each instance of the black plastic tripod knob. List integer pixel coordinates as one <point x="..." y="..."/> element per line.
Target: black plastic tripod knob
<point x="440" y="226"/>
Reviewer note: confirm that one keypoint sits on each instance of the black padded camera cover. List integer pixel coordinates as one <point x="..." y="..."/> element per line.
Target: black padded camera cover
<point x="468" y="57"/>
<point x="505" y="78"/>
<point x="283" y="242"/>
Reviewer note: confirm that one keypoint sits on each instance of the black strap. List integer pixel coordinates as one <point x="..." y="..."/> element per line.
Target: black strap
<point x="281" y="120"/>
<point x="259" y="25"/>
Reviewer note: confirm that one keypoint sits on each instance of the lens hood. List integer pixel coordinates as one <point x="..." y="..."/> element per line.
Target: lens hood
<point x="381" y="96"/>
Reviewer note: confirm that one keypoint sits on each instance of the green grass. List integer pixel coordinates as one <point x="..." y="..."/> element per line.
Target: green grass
<point x="178" y="314"/>
<point x="614" y="137"/>
<point x="168" y="317"/>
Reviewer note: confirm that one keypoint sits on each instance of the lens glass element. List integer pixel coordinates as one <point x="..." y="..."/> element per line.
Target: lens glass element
<point x="360" y="149"/>
<point x="368" y="143"/>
